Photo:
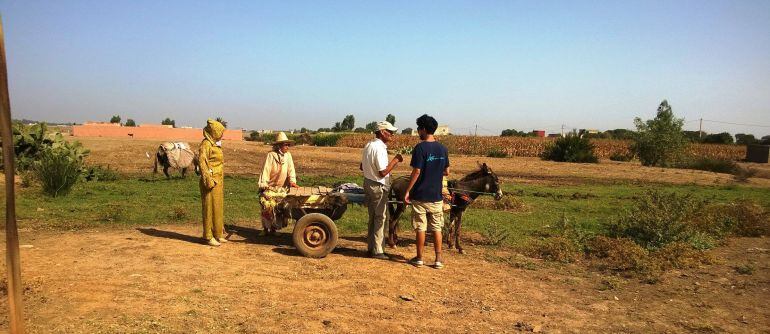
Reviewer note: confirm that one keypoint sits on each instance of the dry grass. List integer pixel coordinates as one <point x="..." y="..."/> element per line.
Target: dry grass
<point x="246" y="158"/>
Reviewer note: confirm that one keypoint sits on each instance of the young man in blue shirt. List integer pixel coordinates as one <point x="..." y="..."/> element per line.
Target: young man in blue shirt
<point x="430" y="163"/>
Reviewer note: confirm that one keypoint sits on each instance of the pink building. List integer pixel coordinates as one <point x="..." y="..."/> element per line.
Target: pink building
<point x="147" y="131"/>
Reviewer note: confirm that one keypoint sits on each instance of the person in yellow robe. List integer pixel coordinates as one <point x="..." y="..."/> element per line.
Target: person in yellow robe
<point x="278" y="175"/>
<point x="212" y="182"/>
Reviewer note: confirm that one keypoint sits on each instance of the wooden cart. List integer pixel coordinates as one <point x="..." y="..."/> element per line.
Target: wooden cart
<point x="315" y="209"/>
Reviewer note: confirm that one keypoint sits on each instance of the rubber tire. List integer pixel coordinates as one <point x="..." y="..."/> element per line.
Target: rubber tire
<point x="329" y="227"/>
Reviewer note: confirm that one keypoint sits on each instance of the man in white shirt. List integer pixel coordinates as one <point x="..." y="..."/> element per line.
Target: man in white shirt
<point x="377" y="168"/>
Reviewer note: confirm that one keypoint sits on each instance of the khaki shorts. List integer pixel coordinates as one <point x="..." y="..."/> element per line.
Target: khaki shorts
<point x="427" y="214"/>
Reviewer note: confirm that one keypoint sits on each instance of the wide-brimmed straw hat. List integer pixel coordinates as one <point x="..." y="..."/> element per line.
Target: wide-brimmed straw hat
<point x="282" y="138"/>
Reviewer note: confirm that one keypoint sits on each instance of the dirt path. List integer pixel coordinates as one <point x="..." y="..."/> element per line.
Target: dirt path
<point x="160" y="280"/>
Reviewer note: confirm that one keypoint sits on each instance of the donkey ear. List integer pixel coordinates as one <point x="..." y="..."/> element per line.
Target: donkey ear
<point x="484" y="167"/>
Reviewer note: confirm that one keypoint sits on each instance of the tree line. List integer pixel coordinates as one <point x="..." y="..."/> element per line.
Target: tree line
<point x="691" y="136"/>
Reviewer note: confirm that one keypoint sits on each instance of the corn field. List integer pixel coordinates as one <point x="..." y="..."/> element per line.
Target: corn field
<point x="533" y="146"/>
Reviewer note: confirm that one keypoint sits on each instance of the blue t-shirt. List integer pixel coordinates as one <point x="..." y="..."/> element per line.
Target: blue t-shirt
<point x="432" y="159"/>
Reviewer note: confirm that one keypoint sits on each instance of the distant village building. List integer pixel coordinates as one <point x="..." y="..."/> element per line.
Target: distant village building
<point x="554" y="135"/>
<point x="539" y="133"/>
<point x="146" y="131"/>
<point x="589" y="131"/>
<point x="442" y="130"/>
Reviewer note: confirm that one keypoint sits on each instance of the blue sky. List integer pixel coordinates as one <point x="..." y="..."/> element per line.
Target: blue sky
<point x="289" y="64"/>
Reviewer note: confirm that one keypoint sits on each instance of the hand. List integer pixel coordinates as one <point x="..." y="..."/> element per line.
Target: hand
<point x="293" y="185"/>
<point x="399" y="158"/>
<point x="406" y="198"/>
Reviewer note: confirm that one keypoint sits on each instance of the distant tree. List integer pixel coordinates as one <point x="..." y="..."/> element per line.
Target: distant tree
<point x="407" y="131"/>
<point x="620" y="134"/>
<point x="325" y="130"/>
<point x="694" y="136"/>
<point x="371" y="127"/>
<point x="115" y="119"/>
<point x="745" y="139"/>
<point x="221" y="120"/>
<point x="337" y="127"/>
<point x="598" y="135"/>
<point x="660" y="141"/>
<point x="348" y="123"/>
<point x="361" y="130"/>
<point x="765" y="140"/>
<point x="718" y="138"/>
<point x="304" y="130"/>
<point x="169" y="121"/>
<point x="130" y="122"/>
<point x="391" y="119"/>
<point x="514" y="133"/>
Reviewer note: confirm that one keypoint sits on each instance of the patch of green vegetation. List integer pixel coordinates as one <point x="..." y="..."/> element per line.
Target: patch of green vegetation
<point x="143" y="201"/>
<point x="746" y="269"/>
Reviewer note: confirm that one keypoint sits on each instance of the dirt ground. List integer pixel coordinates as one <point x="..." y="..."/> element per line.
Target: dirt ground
<point x="161" y="280"/>
<point x="157" y="279"/>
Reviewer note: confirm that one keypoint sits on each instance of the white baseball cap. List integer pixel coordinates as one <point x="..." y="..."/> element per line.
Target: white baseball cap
<point x="385" y="125"/>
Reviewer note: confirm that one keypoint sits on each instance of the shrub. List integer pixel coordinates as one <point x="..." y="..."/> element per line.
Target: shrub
<point x="660" y="141"/>
<point x="494" y="233"/>
<point x="497" y="153"/>
<point x="27" y="178"/>
<point x="746" y="269"/>
<point x="678" y="255"/>
<point x="59" y="168"/>
<point x="557" y="248"/>
<point x="571" y="148"/>
<point x="326" y="139"/>
<point x="621" y="157"/>
<point x="178" y="213"/>
<point x="709" y="165"/>
<point x="617" y="254"/>
<point x="100" y="173"/>
<point x="743" y="174"/>
<point x="304" y="138"/>
<point x="507" y="203"/>
<point x="28" y="142"/>
<point x="658" y="219"/>
<point x="742" y="218"/>
<point x="112" y="213"/>
<point x="565" y="241"/>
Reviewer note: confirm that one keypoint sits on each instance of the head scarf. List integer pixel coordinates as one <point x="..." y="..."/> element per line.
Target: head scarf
<point x="213" y="131"/>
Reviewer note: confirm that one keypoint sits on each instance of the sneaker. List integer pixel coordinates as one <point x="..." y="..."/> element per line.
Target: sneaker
<point x="380" y="256"/>
<point x="213" y="242"/>
<point x="417" y="262"/>
<point x="438" y="265"/>
<point x="223" y="240"/>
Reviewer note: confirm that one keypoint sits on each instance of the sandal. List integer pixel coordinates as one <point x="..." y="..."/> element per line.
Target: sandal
<point x="438" y="265"/>
<point x="417" y="262"/>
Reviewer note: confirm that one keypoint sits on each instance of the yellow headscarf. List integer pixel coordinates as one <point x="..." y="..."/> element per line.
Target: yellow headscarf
<point x="213" y="131"/>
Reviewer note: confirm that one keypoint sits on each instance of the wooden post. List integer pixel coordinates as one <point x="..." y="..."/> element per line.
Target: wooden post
<point x="11" y="233"/>
<point x="700" y="129"/>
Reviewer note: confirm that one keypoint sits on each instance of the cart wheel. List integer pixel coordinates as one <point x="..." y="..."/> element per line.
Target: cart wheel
<point x="315" y="235"/>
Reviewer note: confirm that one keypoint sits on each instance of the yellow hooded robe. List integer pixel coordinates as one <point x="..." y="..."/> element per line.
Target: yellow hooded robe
<point x="212" y="180"/>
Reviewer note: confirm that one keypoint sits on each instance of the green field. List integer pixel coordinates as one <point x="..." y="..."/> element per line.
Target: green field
<point x="157" y="201"/>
